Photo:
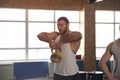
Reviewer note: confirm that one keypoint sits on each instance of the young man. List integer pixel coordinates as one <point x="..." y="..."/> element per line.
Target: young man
<point x="112" y="49"/>
<point x="68" y="42"/>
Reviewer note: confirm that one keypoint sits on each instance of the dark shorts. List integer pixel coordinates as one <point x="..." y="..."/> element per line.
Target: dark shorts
<point x="72" y="77"/>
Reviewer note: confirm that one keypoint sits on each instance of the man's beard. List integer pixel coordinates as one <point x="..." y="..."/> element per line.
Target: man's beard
<point x="64" y="31"/>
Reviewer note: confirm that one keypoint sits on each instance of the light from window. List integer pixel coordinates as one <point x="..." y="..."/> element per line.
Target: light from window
<point x="35" y="29"/>
<point x="100" y="52"/>
<point x="104" y="16"/>
<point x="19" y="35"/>
<point x="107" y="29"/>
<point x="43" y="54"/>
<point x="40" y="15"/>
<point x="104" y="34"/>
<point x="12" y="14"/>
<point x="12" y="35"/>
<point x="117" y="31"/>
<point x="12" y="54"/>
<point x="117" y="16"/>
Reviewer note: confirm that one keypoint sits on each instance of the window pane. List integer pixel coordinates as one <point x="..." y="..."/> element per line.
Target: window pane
<point x="41" y="15"/>
<point x="117" y="16"/>
<point x="39" y="54"/>
<point x="15" y="33"/>
<point x="104" y="16"/>
<point x="12" y="54"/>
<point x="117" y="31"/>
<point x="12" y="35"/>
<point x="104" y="34"/>
<point x="12" y="14"/>
<point x="74" y="26"/>
<point x="100" y="52"/>
<point x="35" y="29"/>
<point x="69" y="14"/>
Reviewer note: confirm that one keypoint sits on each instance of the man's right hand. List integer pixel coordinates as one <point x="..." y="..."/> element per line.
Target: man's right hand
<point x="52" y="44"/>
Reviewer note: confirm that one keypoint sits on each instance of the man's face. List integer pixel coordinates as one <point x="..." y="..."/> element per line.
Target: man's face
<point x="62" y="26"/>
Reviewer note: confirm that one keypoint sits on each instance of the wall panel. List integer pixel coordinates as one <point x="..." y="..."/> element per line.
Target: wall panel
<point x="44" y="4"/>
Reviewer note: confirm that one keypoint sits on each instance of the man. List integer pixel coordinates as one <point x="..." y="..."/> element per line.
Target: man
<point x="68" y="42"/>
<point x="112" y="49"/>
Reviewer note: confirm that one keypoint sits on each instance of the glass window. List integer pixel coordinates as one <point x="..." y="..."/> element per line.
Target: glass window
<point x="36" y="28"/>
<point x="20" y="27"/>
<point x="107" y="29"/>
<point x="104" y="16"/>
<point x="100" y="52"/>
<point x="74" y="27"/>
<point x="12" y="35"/>
<point x="117" y="31"/>
<point x="40" y="15"/>
<point x="104" y="34"/>
<point x="12" y="14"/>
<point x="117" y="16"/>
<point x="12" y="54"/>
<point x="43" y="54"/>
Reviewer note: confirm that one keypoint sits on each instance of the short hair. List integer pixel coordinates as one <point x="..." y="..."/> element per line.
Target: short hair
<point x="64" y="19"/>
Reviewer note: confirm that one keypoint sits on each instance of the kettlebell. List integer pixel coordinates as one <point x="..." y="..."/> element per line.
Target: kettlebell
<point x="56" y="55"/>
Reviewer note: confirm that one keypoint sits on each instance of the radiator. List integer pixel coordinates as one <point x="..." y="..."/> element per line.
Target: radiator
<point x="6" y="72"/>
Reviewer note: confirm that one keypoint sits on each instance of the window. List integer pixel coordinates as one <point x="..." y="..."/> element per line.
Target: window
<point x="20" y="27"/>
<point x="12" y="34"/>
<point x="107" y="29"/>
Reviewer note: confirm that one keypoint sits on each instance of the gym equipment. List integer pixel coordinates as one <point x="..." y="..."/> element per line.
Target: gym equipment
<point x="56" y="56"/>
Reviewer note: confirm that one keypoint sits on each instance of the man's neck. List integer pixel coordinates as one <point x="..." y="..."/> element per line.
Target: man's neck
<point x="66" y="34"/>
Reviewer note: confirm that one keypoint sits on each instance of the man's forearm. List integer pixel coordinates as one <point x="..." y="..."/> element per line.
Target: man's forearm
<point x="74" y="36"/>
<point x="44" y="37"/>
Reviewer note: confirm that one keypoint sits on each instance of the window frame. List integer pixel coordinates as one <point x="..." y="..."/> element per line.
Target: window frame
<point x="27" y="48"/>
<point x="114" y="23"/>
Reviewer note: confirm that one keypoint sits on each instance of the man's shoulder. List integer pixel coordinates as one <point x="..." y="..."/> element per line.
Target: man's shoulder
<point x="55" y="33"/>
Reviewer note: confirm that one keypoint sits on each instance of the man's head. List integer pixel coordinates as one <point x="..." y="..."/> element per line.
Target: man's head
<point x="63" y="25"/>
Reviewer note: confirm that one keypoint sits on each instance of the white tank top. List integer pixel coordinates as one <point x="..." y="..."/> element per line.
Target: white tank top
<point x="115" y="50"/>
<point x="68" y="65"/>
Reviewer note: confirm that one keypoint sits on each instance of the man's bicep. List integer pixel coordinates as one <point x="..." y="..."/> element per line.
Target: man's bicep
<point x="53" y="35"/>
<point x="107" y="53"/>
<point x="75" y="36"/>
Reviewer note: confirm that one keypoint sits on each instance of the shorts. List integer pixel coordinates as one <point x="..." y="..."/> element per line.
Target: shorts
<point x="72" y="77"/>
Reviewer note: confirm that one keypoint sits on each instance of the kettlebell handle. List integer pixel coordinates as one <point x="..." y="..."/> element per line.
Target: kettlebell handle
<point x="53" y="51"/>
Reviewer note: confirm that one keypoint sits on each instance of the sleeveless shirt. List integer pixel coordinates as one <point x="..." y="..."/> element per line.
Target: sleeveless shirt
<point x="67" y="65"/>
<point x="115" y="50"/>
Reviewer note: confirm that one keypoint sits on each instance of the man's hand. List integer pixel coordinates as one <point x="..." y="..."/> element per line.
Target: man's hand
<point x="52" y="44"/>
<point x="112" y="78"/>
<point x="59" y="45"/>
<point x="55" y="45"/>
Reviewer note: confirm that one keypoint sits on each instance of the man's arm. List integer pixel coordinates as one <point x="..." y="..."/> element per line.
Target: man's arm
<point x="72" y="37"/>
<point x="104" y="60"/>
<point x="49" y="38"/>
